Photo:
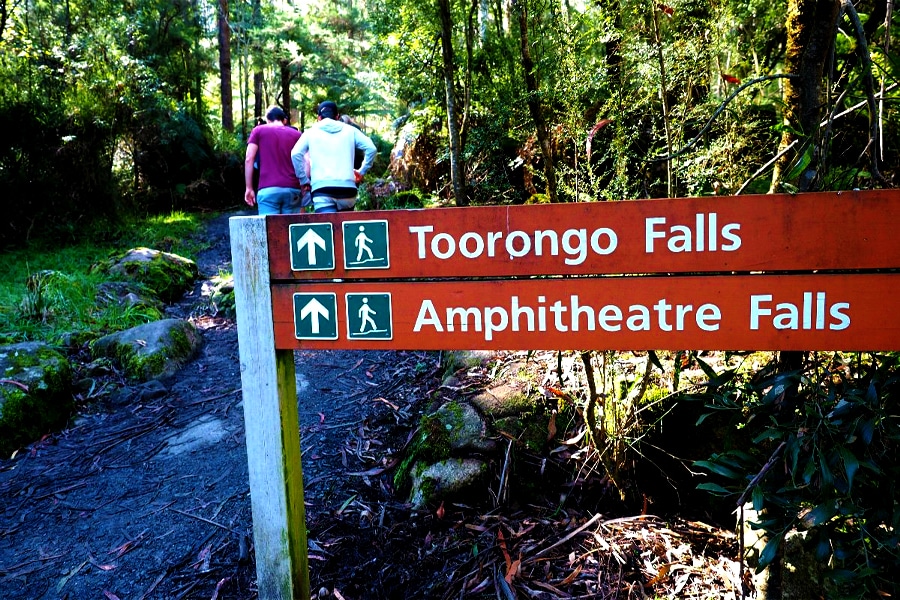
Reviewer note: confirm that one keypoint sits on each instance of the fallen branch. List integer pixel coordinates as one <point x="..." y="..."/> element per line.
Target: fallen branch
<point x="572" y="534"/>
<point x="15" y="383"/>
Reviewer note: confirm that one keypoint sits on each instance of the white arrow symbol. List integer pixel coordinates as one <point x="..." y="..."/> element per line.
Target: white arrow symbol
<point x="314" y="310"/>
<point x="310" y="239"/>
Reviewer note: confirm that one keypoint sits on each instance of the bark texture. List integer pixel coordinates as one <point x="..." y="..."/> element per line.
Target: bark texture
<point x="811" y="27"/>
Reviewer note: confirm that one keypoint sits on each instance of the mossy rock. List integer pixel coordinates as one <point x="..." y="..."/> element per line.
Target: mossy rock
<point x="35" y="393"/>
<point x="151" y="351"/>
<point x="127" y="295"/>
<point x="446" y="479"/>
<point x="168" y="275"/>
<point x="465" y="428"/>
<point x="502" y="401"/>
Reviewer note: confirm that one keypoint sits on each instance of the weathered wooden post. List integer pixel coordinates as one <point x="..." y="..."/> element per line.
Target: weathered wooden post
<point x="271" y="422"/>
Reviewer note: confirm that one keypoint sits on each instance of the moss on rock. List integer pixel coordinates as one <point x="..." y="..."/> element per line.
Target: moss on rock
<point x="35" y="393"/>
<point x="151" y="351"/>
<point x="166" y="274"/>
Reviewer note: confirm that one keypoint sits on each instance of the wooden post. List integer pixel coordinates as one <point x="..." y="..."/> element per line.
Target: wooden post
<point x="271" y="422"/>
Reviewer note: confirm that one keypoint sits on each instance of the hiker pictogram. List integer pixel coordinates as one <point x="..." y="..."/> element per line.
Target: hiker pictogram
<point x="369" y="316"/>
<point x="366" y="244"/>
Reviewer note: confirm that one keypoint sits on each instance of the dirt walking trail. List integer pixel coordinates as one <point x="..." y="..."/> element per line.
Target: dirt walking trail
<point x="146" y="494"/>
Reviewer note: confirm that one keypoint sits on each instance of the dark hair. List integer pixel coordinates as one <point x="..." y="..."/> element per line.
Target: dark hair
<point x="276" y="114"/>
<point x="328" y="110"/>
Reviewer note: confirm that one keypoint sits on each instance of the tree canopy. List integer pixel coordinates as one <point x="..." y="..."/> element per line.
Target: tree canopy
<point x="117" y="105"/>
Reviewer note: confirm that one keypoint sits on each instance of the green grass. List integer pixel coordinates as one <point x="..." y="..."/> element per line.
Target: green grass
<point x="64" y="302"/>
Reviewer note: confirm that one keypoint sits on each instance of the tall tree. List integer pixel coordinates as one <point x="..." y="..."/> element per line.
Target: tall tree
<point x="811" y="27"/>
<point x="3" y="16"/>
<point x="535" y="107"/>
<point x="457" y="168"/>
<point x="224" y="27"/>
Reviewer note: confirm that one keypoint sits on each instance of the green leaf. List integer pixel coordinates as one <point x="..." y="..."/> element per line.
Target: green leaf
<point x="776" y="392"/>
<point x="758" y="498"/>
<point x="820" y="514"/>
<point x="871" y="394"/>
<point x="655" y="360"/>
<point x="768" y="553"/>
<point x="825" y="472"/>
<point x="714" y="488"/>
<point x="851" y="464"/>
<point x="867" y="431"/>
<point x="718" y="468"/>
<point x="802" y="162"/>
<point x="702" y="418"/>
<point x="768" y="434"/>
<point x="809" y="471"/>
<point x="708" y="370"/>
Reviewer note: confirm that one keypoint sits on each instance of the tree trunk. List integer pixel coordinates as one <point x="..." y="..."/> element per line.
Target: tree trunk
<point x="285" y="77"/>
<point x="457" y="169"/>
<point x="534" y="100"/>
<point x="3" y="17"/>
<point x="258" y="107"/>
<point x="225" y="67"/>
<point x="811" y="26"/>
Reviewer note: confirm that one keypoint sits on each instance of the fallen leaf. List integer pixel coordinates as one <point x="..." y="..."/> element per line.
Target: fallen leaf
<point x="513" y="570"/>
<point x="663" y="572"/>
<point x="219" y="587"/>
<point x="571" y="577"/>
<point x="502" y="542"/>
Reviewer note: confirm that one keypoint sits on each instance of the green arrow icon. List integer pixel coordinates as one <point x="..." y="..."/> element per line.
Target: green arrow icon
<point x="311" y="246"/>
<point x="315" y="316"/>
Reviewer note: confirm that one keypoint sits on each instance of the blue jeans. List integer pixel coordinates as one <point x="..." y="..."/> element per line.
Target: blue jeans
<point x="281" y="201"/>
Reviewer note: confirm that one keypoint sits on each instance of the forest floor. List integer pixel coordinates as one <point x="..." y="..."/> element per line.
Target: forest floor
<point x="146" y="494"/>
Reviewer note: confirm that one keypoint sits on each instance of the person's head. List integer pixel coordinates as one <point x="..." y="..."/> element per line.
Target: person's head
<point x="276" y="114"/>
<point x="327" y="110"/>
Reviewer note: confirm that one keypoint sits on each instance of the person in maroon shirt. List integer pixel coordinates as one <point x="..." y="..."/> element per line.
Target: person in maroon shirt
<point x="270" y="145"/>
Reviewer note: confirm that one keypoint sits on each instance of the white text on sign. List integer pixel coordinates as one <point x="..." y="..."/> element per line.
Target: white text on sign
<point x="703" y="235"/>
<point x="663" y="316"/>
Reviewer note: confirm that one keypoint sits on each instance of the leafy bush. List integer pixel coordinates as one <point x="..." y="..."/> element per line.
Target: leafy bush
<point x="824" y="460"/>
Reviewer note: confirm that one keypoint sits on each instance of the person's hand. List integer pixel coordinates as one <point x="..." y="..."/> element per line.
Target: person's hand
<point x="357" y="176"/>
<point x="250" y="197"/>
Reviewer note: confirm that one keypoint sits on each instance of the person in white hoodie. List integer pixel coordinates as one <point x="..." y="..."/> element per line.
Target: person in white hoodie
<point x="323" y="160"/>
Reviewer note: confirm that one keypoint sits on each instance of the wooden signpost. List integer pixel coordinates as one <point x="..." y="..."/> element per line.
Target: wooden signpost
<point x="775" y="272"/>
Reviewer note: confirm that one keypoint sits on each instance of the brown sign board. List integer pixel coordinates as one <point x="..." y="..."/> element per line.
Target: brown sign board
<point x="741" y="312"/>
<point x="804" y="232"/>
<point x="817" y="271"/>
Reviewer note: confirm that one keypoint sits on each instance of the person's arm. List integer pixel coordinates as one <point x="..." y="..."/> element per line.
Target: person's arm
<point x="249" y="160"/>
<point x="298" y="158"/>
<point x="368" y="146"/>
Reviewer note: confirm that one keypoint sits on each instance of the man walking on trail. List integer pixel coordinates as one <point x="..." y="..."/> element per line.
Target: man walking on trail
<point x="270" y="144"/>
<point x="329" y="146"/>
